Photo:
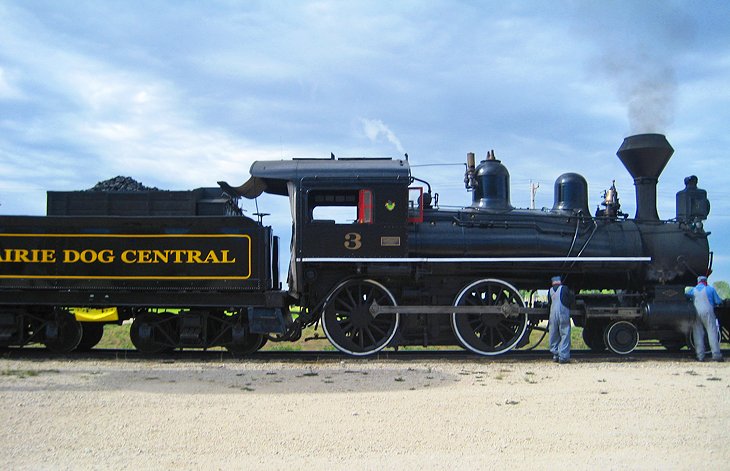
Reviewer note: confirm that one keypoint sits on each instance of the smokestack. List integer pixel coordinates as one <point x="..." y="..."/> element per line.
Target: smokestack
<point x="645" y="156"/>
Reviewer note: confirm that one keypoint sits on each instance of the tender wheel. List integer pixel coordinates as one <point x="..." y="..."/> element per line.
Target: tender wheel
<point x="348" y="323"/>
<point x="622" y="337"/>
<point x="150" y="334"/>
<point x="593" y="337"/>
<point x="62" y="333"/>
<point x="489" y="334"/>
<point x="243" y="342"/>
<point x="91" y="334"/>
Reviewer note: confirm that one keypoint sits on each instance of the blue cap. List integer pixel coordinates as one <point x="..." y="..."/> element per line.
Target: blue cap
<point x="700" y="279"/>
<point x="556" y="280"/>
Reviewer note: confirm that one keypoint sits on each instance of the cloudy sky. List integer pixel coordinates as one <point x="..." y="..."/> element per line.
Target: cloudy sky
<point x="181" y="94"/>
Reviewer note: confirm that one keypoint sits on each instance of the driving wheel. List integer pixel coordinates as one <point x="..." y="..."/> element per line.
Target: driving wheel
<point x="348" y="323"/>
<point x="489" y="333"/>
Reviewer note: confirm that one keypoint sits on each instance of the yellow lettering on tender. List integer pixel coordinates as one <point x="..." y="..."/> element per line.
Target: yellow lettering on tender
<point x="88" y="256"/>
<point x="178" y="255"/>
<point x="27" y="256"/>
<point x="74" y="256"/>
<point x="194" y="256"/>
<point x="21" y="255"/>
<point x="224" y="258"/>
<point x="129" y="256"/>
<point x="212" y="257"/>
<point x="71" y="256"/>
<point x="48" y="256"/>
<point x="144" y="256"/>
<point x="106" y="256"/>
<point x="160" y="256"/>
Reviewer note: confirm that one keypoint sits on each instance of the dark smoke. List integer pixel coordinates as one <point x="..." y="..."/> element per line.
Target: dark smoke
<point x="648" y="87"/>
<point x="638" y="44"/>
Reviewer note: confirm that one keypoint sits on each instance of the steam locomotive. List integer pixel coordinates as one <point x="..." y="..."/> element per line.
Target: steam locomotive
<point x="374" y="259"/>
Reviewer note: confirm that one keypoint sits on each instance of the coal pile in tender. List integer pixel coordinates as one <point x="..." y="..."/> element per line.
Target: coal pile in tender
<point x="121" y="184"/>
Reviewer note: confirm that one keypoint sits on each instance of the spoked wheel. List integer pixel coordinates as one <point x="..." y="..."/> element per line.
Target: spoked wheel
<point x="91" y="334"/>
<point x="62" y="333"/>
<point x="348" y="323"/>
<point x="622" y="337"/>
<point x="151" y="333"/>
<point x="489" y="333"/>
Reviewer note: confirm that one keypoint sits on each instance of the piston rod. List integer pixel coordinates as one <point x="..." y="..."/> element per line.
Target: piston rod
<point x="506" y="310"/>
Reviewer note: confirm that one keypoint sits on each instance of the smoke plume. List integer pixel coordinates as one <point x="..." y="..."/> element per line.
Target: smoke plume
<point x="639" y="45"/>
<point x="375" y="128"/>
<point x="648" y="88"/>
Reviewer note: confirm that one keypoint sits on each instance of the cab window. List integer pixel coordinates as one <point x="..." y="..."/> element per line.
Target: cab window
<point x="340" y="206"/>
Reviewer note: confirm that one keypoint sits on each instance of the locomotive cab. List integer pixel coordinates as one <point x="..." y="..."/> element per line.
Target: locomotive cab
<point x="352" y="220"/>
<point x="343" y="211"/>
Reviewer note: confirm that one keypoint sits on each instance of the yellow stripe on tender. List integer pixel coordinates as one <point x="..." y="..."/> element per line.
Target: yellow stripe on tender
<point x="107" y="314"/>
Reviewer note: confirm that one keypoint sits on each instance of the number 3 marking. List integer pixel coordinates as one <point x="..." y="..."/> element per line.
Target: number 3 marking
<point x="353" y="241"/>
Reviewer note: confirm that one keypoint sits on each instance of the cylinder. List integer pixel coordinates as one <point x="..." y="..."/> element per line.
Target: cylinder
<point x="677" y="315"/>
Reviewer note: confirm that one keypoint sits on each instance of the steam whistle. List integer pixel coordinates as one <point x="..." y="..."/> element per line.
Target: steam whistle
<point x="611" y="203"/>
<point x="469" y="180"/>
<point x="610" y="197"/>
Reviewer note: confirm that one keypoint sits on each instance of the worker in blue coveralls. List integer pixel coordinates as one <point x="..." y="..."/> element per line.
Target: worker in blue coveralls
<point x="559" y="300"/>
<point x="705" y="298"/>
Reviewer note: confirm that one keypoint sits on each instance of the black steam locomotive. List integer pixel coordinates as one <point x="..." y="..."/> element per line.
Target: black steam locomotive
<point x="374" y="259"/>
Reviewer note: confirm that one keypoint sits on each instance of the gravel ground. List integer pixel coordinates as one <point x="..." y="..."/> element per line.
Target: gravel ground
<point x="384" y="414"/>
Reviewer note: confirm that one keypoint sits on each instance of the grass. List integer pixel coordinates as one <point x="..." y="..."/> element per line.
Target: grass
<point x="116" y="337"/>
<point x="26" y="373"/>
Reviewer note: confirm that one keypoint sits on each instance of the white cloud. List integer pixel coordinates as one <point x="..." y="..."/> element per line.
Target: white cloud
<point x="7" y="89"/>
<point x="182" y="95"/>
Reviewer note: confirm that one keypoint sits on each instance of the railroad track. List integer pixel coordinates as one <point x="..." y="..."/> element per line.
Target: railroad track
<point x="579" y="356"/>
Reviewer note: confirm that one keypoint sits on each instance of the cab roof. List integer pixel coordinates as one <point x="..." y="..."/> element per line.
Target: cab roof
<point x="272" y="176"/>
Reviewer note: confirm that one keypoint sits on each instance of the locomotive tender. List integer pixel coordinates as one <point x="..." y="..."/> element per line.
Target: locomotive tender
<point x="374" y="259"/>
